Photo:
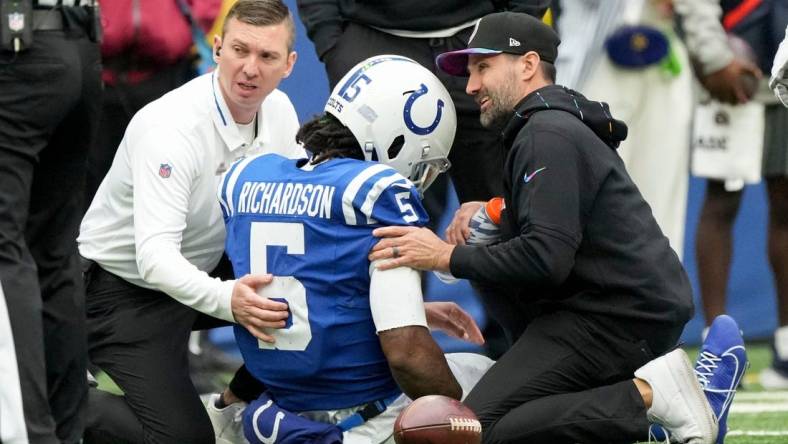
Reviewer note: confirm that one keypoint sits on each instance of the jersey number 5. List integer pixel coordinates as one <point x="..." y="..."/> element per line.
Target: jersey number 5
<point x="290" y="236"/>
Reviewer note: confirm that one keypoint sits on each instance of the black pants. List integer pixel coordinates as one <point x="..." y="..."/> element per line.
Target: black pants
<point x="567" y="379"/>
<point x="50" y="95"/>
<point x="477" y="154"/>
<point x="139" y="337"/>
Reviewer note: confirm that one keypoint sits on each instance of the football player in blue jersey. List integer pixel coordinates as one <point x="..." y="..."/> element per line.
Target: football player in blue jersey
<point x="356" y="347"/>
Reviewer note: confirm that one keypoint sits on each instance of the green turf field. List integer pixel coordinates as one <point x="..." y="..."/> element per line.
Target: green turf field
<point x="757" y="416"/>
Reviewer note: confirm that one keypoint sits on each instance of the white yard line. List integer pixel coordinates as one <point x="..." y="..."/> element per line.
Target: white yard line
<point x="757" y="433"/>
<point x="758" y="407"/>
<point x="761" y="396"/>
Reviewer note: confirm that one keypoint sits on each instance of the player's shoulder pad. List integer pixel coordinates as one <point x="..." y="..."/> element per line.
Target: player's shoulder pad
<point x="371" y="180"/>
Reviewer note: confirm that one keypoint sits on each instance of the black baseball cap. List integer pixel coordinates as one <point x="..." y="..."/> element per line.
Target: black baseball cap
<point x="503" y="32"/>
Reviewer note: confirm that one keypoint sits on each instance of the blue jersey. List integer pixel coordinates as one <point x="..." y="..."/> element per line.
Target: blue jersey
<point x="312" y="229"/>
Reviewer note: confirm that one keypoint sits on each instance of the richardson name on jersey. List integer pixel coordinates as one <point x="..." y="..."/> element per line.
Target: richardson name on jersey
<point x="295" y="199"/>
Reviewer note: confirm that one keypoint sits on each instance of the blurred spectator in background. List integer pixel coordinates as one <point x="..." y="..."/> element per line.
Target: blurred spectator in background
<point x="628" y="52"/>
<point x="779" y="80"/>
<point x="50" y="98"/>
<point x="762" y="25"/>
<point x="346" y="32"/>
<point x="146" y="52"/>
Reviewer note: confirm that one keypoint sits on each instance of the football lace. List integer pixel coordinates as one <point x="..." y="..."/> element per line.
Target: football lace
<point x="469" y="424"/>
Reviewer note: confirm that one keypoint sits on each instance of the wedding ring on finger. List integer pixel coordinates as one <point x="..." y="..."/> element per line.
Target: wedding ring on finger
<point x="394" y="252"/>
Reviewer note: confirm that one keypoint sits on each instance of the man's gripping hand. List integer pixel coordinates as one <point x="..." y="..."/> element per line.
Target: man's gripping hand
<point x="459" y="229"/>
<point x="255" y="312"/>
<point x="449" y="318"/>
<point x="736" y="83"/>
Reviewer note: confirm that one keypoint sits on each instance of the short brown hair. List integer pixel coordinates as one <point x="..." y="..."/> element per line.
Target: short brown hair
<point x="262" y="13"/>
<point x="548" y="71"/>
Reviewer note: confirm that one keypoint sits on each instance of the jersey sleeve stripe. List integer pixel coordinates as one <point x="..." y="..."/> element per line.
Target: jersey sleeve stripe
<point x="220" y="197"/>
<point x="352" y="189"/>
<point x="377" y="189"/>
<point x="220" y="191"/>
<point x="230" y="181"/>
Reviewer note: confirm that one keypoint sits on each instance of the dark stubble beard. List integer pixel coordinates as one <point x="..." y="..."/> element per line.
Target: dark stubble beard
<point x="502" y="101"/>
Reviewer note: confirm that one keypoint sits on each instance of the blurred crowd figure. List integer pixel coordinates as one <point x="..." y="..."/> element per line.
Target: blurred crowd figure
<point x="640" y="86"/>
<point x="762" y="28"/>
<point x="146" y="52"/>
<point x="639" y="56"/>
<point x="779" y="79"/>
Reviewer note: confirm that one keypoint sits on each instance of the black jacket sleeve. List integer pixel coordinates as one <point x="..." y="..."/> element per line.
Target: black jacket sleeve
<point x="322" y="21"/>
<point x="546" y="173"/>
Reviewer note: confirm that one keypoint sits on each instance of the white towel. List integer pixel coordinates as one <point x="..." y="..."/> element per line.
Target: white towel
<point x="727" y="143"/>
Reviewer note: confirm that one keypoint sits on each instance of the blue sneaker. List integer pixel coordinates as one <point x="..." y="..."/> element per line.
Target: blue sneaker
<point x="657" y="433"/>
<point x="720" y="367"/>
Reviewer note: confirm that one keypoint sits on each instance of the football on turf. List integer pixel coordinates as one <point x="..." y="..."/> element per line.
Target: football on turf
<point x="437" y="419"/>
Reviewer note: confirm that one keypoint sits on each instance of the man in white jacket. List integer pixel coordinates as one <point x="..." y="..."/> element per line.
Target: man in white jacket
<point x="154" y="230"/>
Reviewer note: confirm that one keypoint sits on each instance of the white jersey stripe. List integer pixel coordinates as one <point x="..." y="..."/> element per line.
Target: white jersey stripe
<point x="232" y="180"/>
<point x="377" y="189"/>
<point x="352" y="189"/>
<point x="221" y="189"/>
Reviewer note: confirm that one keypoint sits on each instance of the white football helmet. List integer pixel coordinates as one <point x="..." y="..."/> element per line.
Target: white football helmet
<point x="401" y="115"/>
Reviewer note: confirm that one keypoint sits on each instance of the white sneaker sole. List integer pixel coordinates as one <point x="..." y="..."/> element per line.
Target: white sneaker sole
<point x="677" y="377"/>
<point x="698" y="405"/>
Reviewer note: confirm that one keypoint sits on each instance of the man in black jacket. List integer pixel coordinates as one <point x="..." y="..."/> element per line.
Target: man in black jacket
<point x="589" y="290"/>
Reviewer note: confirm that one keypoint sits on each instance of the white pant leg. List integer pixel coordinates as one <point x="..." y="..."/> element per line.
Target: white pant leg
<point x="12" y="418"/>
<point x="657" y="108"/>
<point x="467" y="368"/>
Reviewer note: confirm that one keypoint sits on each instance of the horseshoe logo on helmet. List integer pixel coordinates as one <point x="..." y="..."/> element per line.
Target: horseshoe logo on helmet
<point x="421" y="130"/>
